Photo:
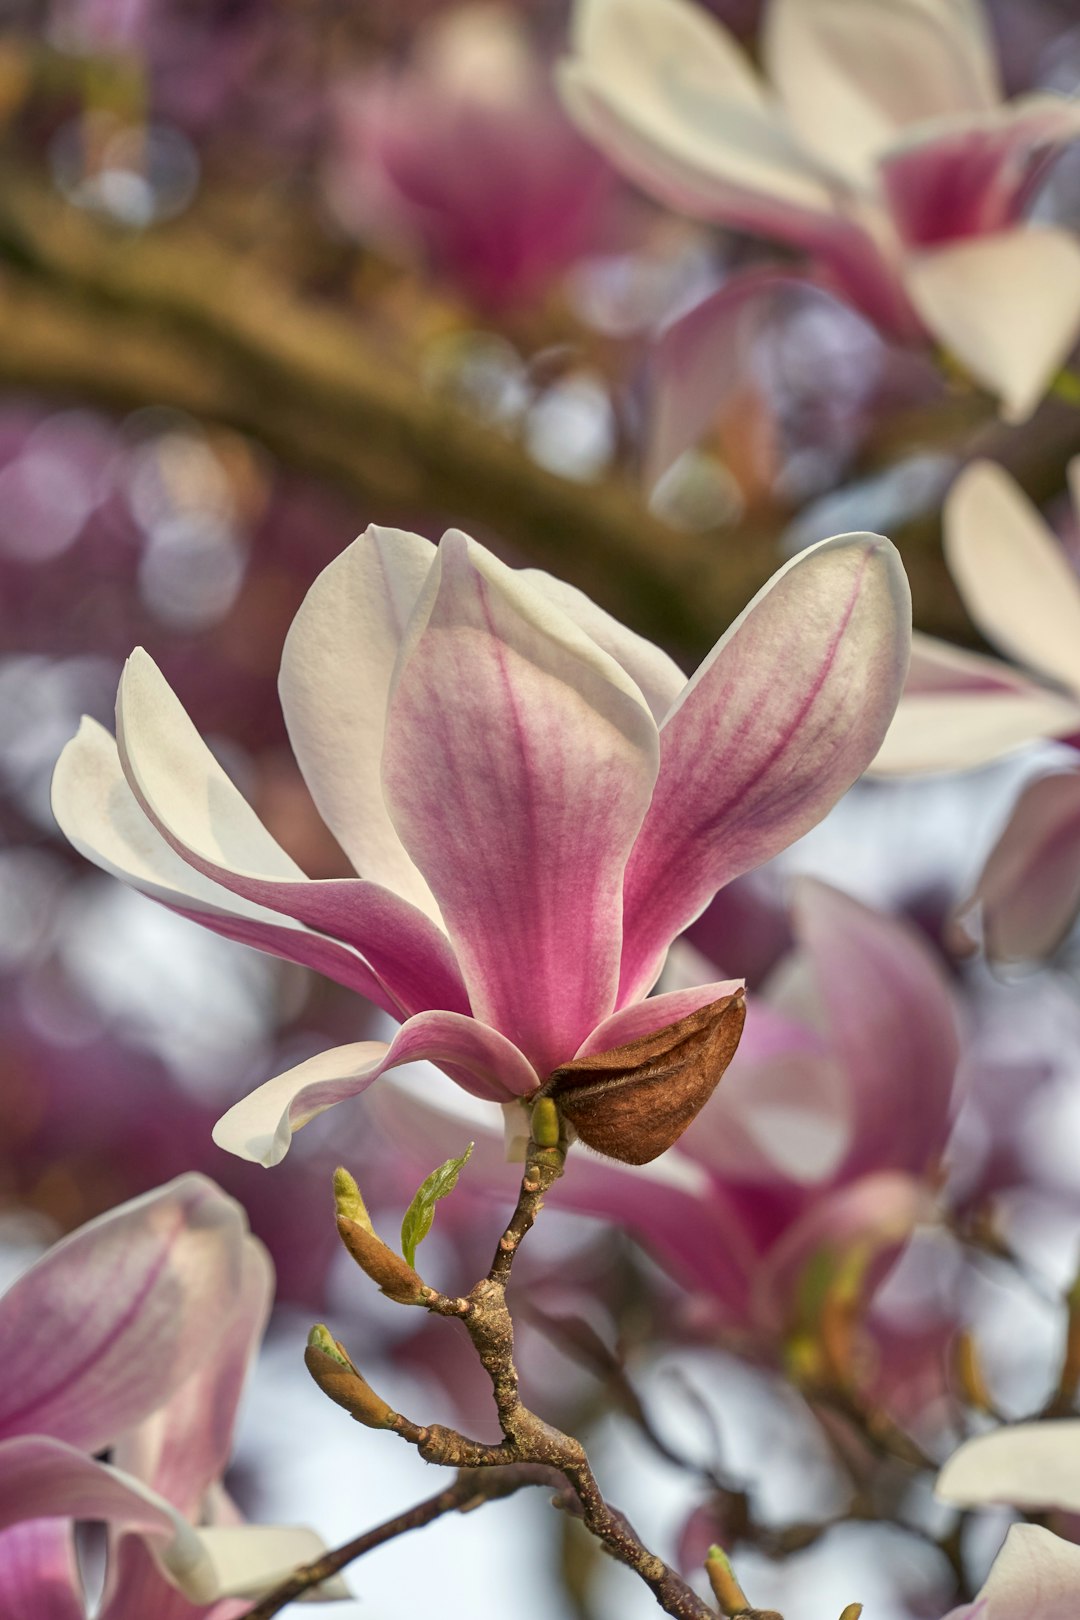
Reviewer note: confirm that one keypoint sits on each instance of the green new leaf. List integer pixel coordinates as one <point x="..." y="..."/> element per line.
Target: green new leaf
<point x="421" y="1212"/>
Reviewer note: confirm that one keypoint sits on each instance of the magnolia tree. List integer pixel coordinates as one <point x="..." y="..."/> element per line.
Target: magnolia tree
<point x="651" y="297"/>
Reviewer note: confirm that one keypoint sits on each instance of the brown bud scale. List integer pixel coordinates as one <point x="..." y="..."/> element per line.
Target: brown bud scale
<point x="634" y="1102"/>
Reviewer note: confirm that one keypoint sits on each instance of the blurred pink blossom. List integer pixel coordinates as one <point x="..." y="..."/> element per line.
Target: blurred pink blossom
<point x="135" y="1333"/>
<point x="879" y="147"/>
<point x="825" y="1136"/>
<point x="466" y="156"/>
<point x="538" y="799"/>
<point x="827" y="1130"/>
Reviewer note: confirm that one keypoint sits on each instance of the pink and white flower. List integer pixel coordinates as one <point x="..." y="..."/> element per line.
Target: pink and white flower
<point x="960" y="709"/>
<point x="538" y="801"/>
<point x="878" y="145"/>
<point x="134" y="1334"/>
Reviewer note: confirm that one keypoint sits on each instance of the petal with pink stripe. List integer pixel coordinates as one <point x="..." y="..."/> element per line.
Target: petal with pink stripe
<point x="785" y="713"/>
<point x="518" y="766"/>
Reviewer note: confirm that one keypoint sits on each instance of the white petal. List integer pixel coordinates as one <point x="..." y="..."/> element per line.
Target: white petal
<point x="336" y="669"/>
<point x="1007" y="306"/>
<point x="657" y="675"/>
<point x="1012" y="573"/>
<point x="100" y="815"/>
<point x="960" y="731"/>
<point x="181" y="783"/>
<point x="661" y="85"/>
<point x="852" y="73"/>
<point x="247" y="1560"/>
<point x="1025" y="1465"/>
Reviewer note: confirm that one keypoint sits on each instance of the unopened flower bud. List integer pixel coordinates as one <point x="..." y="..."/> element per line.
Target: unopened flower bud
<point x="634" y="1102"/>
<point x="328" y="1363"/>
<point x="347" y="1199"/>
<point x="395" y="1277"/>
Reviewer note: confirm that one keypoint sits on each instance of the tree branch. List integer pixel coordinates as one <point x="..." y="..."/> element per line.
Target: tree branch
<point x="470" y="1489"/>
<point x="527" y="1439"/>
<point x="173" y="318"/>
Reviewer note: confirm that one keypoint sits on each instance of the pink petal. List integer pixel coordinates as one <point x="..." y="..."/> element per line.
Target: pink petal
<point x="645" y="1017"/>
<point x="138" y="1590"/>
<point x="1007" y="306"/>
<point x="112" y="1320"/>
<point x="196" y="808"/>
<point x="879" y="1211"/>
<point x="1013" y="574"/>
<point x="975" y="174"/>
<point x="336" y="668"/>
<point x="1035" y="1576"/>
<point x="784" y="1111"/>
<point x="784" y="714"/>
<point x="700" y="359"/>
<point x="1025" y="1465"/>
<point x="183" y="1448"/>
<point x="39" y="1577"/>
<point x="1028" y="894"/>
<point x="518" y="766"/>
<point x="890" y="1018"/>
<point x="101" y="817"/>
<point x="261" y="1126"/>
<point x="854" y="72"/>
<point x="41" y="1477"/>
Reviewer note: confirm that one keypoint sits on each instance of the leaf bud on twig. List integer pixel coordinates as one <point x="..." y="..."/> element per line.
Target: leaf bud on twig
<point x="395" y="1277"/>
<point x="348" y="1201"/>
<point x="328" y="1363"/>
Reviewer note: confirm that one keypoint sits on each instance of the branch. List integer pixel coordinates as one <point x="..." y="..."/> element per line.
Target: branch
<point x="527" y="1439"/>
<point x="173" y="318"/>
<point x="469" y="1490"/>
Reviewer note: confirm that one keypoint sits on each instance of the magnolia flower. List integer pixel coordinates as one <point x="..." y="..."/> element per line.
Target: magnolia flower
<point x="960" y="709"/>
<point x="538" y="801"/>
<point x="1032" y="1466"/>
<point x="822" y="1140"/>
<point x="879" y="146"/>
<point x="134" y="1334"/>
<point x="466" y="155"/>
